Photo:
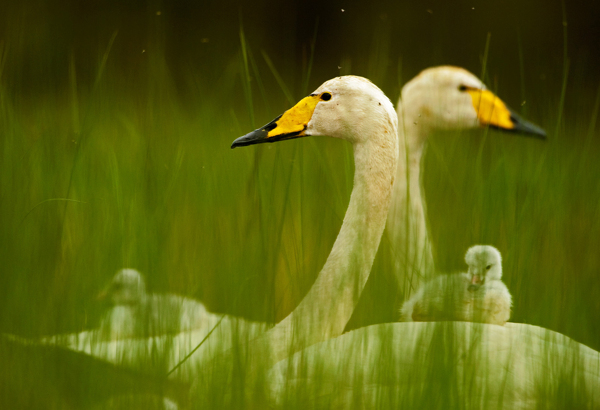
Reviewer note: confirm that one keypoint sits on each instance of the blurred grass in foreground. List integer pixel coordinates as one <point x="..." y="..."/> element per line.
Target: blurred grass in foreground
<point x="120" y="172"/>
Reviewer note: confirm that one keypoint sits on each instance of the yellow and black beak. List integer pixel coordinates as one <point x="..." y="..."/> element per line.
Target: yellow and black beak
<point x="291" y="124"/>
<point x="492" y="111"/>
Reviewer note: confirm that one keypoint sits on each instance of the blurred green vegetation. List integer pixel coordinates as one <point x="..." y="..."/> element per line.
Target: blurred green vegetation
<point x="114" y="152"/>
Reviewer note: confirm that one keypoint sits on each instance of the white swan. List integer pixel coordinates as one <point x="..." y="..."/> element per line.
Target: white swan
<point x="476" y="296"/>
<point x="149" y="330"/>
<point x="138" y="313"/>
<point x="354" y="109"/>
<point x="438" y="99"/>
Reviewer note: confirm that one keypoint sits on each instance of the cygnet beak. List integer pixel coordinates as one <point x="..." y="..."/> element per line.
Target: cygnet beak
<point x="476" y="283"/>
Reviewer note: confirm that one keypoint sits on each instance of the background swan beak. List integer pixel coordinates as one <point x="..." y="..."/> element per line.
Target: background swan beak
<point x="525" y="127"/>
<point x="492" y="111"/>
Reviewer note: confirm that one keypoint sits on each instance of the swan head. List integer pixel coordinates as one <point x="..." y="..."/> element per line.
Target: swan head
<point x="485" y="263"/>
<point x="127" y="287"/>
<point x="347" y="107"/>
<point x="451" y="98"/>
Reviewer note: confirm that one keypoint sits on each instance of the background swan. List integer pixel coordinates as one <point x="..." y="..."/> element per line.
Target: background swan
<point x="151" y="328"/>
<point x="476" y="296"/>
<point x="138" y="313"/>
<point x="438" y="99"/>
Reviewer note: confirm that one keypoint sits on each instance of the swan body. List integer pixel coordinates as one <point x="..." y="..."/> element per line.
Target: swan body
<point x="446" y="297"/>
<point x="476" y="296"/>
<point x="440" y="365"/>
<point x="406" y="365"/>
<point x="438" y="99"/>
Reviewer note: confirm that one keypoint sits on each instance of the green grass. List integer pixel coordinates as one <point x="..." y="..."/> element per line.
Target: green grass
<point x="118" y="171"/>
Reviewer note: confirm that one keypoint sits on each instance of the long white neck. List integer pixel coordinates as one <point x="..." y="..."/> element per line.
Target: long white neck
<point x="325" y="310"/>
<point x="407" y="225"/>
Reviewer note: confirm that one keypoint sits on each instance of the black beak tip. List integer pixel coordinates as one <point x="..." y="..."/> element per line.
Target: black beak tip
<point x="254" y="137"/>
<point x="542" y="134"/>
<point x="532" y="130"/>
<point x="239" y="142"/>
<point x="527" y="128"/>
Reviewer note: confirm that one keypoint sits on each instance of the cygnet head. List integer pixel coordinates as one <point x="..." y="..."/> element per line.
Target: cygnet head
<point x="485" y="263"/>
<point x="347" y="107"/>
<point x="451" y="98"/>
<point x="127" y="287"/>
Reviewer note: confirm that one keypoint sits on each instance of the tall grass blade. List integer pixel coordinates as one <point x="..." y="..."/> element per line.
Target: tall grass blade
<point x="308" y="69"/>
<point x="566" y="62"/>
<point x="288" y="95"/>
<point x="246" y="78"/>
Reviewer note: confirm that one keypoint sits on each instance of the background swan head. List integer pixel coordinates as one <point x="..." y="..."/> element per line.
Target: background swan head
<point x="451" y="98"/>
<point x="347" y="107"/>
<point x="127" y="287"/>
<point x="485" y="263"/>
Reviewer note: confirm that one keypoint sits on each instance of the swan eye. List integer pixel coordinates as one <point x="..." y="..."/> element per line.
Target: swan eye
<point x="462" y="88"/>
<point x="488" y="267"/>
<point x="326" y="96"/>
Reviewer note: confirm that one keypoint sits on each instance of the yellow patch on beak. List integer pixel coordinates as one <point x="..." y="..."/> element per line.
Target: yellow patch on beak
<point x="295" y="120"/>
<point x="490" y="109"/>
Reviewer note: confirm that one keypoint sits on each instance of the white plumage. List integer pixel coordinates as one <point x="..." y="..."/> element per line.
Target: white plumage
<point x="476" y="296"/>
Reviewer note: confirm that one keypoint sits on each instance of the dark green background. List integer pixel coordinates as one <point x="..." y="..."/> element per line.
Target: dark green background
<point x="150" y="121"/>
<point x="116" y="119"/>
<point x="201" y="36"/>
